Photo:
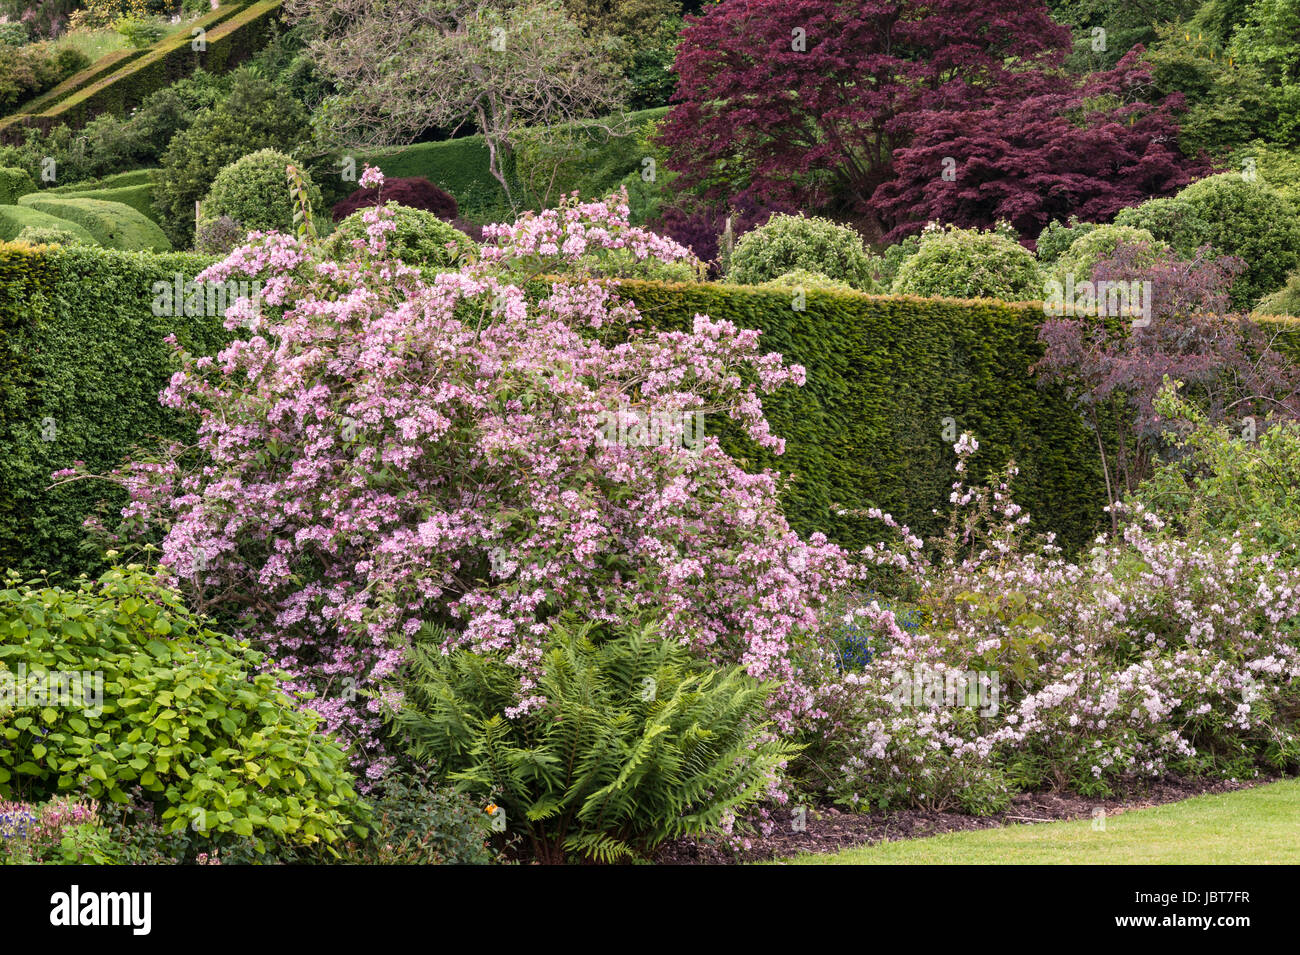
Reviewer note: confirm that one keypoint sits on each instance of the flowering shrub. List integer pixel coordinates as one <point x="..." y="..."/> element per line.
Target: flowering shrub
<point x="1149" y="654"/>
<point x="62" y="831"/>
<point x="381" y="452"/>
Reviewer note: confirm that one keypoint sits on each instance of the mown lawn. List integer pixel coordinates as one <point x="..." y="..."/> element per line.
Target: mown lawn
<point x="1257" y="826"/>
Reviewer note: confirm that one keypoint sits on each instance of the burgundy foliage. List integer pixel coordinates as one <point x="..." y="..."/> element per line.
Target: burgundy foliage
<point x="413" y="192"/>
<point x="817" y="127"/>
<point x="1040" y="158"/>
<point x="699" y="226"/>
<point x="1115" y="367"/>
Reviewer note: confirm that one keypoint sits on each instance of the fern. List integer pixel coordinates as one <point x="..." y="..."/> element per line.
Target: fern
<point x="605" y="771"/>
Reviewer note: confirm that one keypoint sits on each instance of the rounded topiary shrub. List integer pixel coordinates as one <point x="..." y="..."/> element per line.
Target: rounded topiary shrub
<point x="413" y="192"/>
<point x="14" y="182"/>
<point x="786" y="243"/>
<point x="420" y="239"/>
<point x="254" y="192"/>
<point x="1247" y="219"/>
<point x="965" y="263"/>
<point x="1098" y="243"/>
<point x="1285" y="301"/>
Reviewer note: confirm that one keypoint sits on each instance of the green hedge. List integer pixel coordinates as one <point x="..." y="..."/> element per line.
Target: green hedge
<point x="883" y="373"/>
<point x="113" y="224"/>
<point x="13" y="219"/>
<point x="139" y="198"/>
<point x="14" y="183"/>
<point x="460" y="166"/>
<point x="133" y="177"/>
<point x="230" y="39"/>
<point x="80" y="348"/>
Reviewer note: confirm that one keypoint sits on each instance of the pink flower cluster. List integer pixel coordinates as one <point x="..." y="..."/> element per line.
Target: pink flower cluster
<point x="1149" y="653"/>
<point x="381" y="452"/>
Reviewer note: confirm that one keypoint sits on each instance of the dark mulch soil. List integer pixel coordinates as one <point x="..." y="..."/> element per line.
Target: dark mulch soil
<point x="829" y="829"/>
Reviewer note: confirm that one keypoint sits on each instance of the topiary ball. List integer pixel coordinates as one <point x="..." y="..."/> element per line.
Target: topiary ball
<point x="965" y="263"/>
<point x="1099" y="243"/>
<point x="420" y="239"/>
<point x="802" y="278"/>
<point x="254" y="191"/>
<point x="786" y="243"/>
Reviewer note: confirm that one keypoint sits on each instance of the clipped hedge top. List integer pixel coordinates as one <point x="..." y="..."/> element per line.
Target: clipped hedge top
<point x="113" y="224"/>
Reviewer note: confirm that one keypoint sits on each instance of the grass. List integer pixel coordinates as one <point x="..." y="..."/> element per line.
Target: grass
<point x="1254" y="826"/>
<point x="97" y="44"/>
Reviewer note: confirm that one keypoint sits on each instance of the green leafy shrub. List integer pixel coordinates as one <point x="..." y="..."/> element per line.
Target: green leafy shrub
<point x="802" y="278"/>
<point x="962" y="263"/>
<point x="138" y="32"/>
<point x="1247" y="219"/>
<point x="1276" y="165"/>
<point x="1099" y="243"/>
<point x="1229" y="477"/>
<point x="1057" y="237"/>
<point x="14" y="34"/>
<point x="420" y="238"/>
<point x="15" y="219"/>
<point x="14" y="183"/>
<point x="27" y="71"/>
<point x="43" y="235"/>
<point x="417" y="823"/>
<point x="636" y="745"/>
<point x="1285" y="301"/>
<point x="114" y="225"/>
<point x="254" y="192"/>
<point x="158" y="700"/>
<point x="785" y="243"/>
<point x="254" y="116"/>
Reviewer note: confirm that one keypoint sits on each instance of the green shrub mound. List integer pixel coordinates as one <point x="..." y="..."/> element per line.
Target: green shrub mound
<point x="114" y="225"/>
<point x="15" y="219"/>
<point x="138" y="197"/>
<point x="14" y="183"/>
<point x="41" y="235"/>
<point x="1235" y="216"/>
<point x="1285" y="301"/>
<point x="172" y="707"/>
<point x="962" y="263"/>
<point x="254" y="191"/>
<point x="420" y="239"/>
<point x="637" y="744"/>
<point x="1098" y="243"/>
<point x="788" y="243"/>
<point x="802" y="278"/>
<point x="1059" y="236"/>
